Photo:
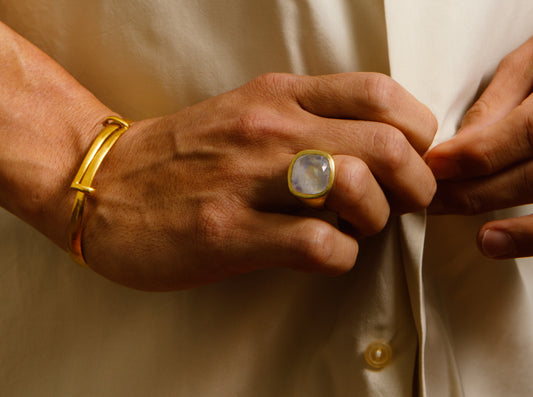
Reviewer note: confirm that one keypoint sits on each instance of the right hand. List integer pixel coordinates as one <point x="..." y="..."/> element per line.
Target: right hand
<point x="201" y="195"/>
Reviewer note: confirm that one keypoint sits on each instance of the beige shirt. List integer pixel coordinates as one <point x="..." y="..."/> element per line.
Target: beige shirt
<point x="457" y="324"/>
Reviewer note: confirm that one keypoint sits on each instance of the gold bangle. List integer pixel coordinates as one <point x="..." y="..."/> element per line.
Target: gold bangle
<point x="114" y="128"/>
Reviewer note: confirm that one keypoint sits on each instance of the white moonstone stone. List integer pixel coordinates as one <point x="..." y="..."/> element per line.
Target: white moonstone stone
<point x="310" y="174"/>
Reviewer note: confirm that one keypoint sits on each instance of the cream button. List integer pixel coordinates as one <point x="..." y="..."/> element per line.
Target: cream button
<point x="378" y="354"/>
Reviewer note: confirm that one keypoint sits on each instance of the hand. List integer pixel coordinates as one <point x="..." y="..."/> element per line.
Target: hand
<point x="201" y="195"/>
<point x="489" y="164"/>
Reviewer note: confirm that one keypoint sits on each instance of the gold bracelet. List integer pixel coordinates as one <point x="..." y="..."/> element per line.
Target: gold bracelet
<point x="114" y="128"/>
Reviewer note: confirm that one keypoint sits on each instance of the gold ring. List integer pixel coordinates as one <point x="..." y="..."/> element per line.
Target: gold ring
<point x="311" y="175"/>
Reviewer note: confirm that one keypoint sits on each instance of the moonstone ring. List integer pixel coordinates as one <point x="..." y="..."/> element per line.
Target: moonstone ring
<point x="310" y="177"/>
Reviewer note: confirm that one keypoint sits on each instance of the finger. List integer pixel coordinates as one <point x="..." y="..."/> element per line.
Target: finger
<point x="511" y="84"/>
<point x="486" y="152"/>
<point x="405" y="178"/>
<point x="505" y="189"/>
<point x="305" y="244"/>
<point x="357" y="197"/>
<point x="507" y="238"/>
<point x="368" y="96"/>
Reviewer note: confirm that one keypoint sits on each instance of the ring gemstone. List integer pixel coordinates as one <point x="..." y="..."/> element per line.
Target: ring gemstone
<point x="311" y="174"/>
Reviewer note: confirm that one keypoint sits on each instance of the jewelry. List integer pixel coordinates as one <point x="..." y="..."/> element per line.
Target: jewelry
<point x="114" y="128"/>
<point x="311" y="175"/>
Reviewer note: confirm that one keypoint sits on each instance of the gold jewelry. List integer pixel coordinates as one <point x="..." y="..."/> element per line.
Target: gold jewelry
<point x="311" y="175"/>
<point x="114" y="128"/>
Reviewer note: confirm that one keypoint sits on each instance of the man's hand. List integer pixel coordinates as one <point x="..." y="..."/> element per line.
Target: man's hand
<point x="202" y="195"/>
<point x="488" y="165"/>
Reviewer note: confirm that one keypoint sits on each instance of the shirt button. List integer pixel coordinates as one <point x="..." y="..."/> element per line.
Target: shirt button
<point x="378" y="354"/>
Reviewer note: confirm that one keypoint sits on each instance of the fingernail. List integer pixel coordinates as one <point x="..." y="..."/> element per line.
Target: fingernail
<point x="497" y="244"/>
<point x="444" y="168"/>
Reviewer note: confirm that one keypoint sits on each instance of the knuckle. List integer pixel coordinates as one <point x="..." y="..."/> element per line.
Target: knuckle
<point x="318" y="245"/>
<point x="264" y="113"/>
<point x="478" y="110"/>
<point x="213" y="225"/>
<point x="377" y="221"/>
<point x="356" y="183"/>
<point x="428" y="127"/>
<point x="354" y="173"/>
<point x="380" y="91"/>
<point x="252" y="121"/>
<point x="464" y="202"/>
<point x="470" y="204"/>
<point x="480" y="157"/>
<point x="428" y="193"/>
<point x="459" y="198"/>
<point x="519" y="60"/>
<point x="391" y="146"/>
<point x="257" y="124"/>
<point x="511" y="62"/>
<point x="424" y="194"/>
<point x="380" y="222"/>
<point x="432" y="125"/>
<point x="273" y="83"/>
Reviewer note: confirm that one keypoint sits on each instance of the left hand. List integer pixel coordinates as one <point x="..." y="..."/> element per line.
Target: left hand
<point x="489" y="164"/>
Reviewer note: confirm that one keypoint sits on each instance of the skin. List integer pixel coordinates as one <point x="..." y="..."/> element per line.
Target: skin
<point x="488" y="164"/>
<point x="201" y="195"/>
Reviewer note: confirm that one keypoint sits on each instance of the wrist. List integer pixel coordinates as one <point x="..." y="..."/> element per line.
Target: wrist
<point x="36" y="177"/>
<point x="48" y="121"/>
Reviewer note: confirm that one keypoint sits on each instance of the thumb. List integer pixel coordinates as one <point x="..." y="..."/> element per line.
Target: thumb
<point x="507" y="238"/>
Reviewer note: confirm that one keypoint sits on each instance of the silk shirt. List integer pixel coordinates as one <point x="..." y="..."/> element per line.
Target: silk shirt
<point x="456" y="324"/>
